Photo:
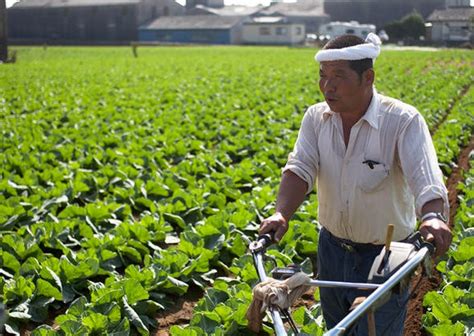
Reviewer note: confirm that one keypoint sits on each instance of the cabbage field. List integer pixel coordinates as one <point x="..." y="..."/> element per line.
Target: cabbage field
<point x="129" y="185"/>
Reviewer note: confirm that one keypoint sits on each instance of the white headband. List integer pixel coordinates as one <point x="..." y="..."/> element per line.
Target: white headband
<point x="370" y="49"/>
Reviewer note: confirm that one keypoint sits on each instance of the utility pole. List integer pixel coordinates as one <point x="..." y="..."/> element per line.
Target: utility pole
<point x="3" y="32"/>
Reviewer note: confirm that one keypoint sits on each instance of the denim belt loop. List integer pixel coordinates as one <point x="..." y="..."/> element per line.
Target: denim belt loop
<point x="347" y="247"/>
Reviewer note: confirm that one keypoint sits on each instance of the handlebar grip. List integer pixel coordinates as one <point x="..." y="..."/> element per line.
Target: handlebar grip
<point x="262" y="242"/>
<point x="430" y="246"/>
<point x="266" y="239"/>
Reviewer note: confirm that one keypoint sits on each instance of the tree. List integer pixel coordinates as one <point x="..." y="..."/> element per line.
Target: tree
<point x="394" y="30"/>
<point x="3" y="31"/>
<point x="411" y="26"/>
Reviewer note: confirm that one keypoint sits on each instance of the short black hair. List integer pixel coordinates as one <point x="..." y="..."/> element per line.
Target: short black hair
<point x="344" y="41"/>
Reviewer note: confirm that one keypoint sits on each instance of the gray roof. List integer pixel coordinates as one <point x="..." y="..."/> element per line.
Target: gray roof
<point x="70" y="3"/>
<point x="294" y="9"/>
<point x="231" y="10"/>
<point x="193" y="22"/>
<point x="452" y="14"/>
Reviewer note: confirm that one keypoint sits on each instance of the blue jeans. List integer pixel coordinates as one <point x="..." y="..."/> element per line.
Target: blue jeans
<point x="341" y="264"/>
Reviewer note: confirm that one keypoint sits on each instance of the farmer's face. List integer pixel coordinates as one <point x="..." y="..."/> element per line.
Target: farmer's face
<point x="343" y="89"/>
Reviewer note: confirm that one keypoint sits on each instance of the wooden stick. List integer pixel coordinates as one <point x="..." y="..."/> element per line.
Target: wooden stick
<point x="388" y="238"/>
<point x="371" y="323"/>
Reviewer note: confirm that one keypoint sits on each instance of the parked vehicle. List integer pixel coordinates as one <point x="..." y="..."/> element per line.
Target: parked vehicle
<point x="334" y="29"/>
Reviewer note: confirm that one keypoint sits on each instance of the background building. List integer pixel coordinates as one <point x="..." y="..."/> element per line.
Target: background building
<point x="209" y="21"/>
<point x="83" y="21"/>
<point x="309" y="13"/>
<point x="273" y="30"/>
<point x="204" y="24"/>
<point x="224" y="11"/>
<point x="200" y="29"/>
<point x="453" y="25"/>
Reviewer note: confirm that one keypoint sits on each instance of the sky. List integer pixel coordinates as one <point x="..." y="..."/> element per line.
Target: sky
<point x="227" y="2"/>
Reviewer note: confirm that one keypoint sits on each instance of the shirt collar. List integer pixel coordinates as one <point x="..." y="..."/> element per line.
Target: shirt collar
<point x="371" y="115"/>
<point x="327" y="111"/>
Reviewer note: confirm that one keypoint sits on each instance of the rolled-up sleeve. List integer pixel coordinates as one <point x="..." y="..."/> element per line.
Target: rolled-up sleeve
<point x="304" y="159"/>
<point x="420" y="164"/>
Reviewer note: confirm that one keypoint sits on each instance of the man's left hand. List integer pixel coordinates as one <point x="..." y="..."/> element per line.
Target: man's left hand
<point x="437" y="232"/>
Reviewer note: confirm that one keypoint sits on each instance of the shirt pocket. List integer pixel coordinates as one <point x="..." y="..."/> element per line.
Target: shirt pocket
<point x="372" y="179"/>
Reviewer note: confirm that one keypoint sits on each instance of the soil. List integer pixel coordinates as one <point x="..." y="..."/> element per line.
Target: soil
<point x="179" y="314"/>
<point x="413" y="323"/>
<point x="307" y="299"/>
<point x="27" y="329"/>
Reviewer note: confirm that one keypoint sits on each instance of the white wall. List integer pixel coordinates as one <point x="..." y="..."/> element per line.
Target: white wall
<point x="437" y="31"/>
<point x="273" y="33"/>
<point x="456" y="31"/>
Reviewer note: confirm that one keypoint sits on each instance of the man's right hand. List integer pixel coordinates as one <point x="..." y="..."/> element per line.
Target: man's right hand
<point x="275" y="223"/>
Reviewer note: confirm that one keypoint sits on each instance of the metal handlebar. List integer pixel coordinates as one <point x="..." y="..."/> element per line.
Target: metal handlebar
<point x="258" y="248"/>
<point x="372" y="299"/>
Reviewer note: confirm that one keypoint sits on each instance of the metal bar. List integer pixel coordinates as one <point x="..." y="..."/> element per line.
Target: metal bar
<point x="259" y="266"/>
<point x="359" y="285"/>
<point x="276" y="317"/>
<point x="342" y="326"/>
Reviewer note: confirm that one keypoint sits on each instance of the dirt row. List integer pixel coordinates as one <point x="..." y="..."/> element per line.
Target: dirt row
<point x="181" y="313"/>
<point x="464" y="90"/>
<point x="422" y="285"/>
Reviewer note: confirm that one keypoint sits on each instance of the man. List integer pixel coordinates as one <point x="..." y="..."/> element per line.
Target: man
<point x="374" y="163"/>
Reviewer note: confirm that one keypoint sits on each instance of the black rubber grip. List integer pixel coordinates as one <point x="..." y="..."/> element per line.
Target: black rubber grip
<point x="266" y="239"/>
<point x="430" y="246"/>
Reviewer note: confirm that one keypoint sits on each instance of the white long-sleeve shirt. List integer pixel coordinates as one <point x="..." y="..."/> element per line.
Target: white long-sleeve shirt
<point x="357" y="202"/>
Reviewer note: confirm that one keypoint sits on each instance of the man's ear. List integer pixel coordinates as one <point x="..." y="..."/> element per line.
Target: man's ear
<point x="368" y="77"/>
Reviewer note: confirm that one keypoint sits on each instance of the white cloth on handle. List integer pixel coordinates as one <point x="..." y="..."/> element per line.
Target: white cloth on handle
<point x="282" y="293"/>
<point x="274" y="292"/>
<point x="369" y="49"/>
